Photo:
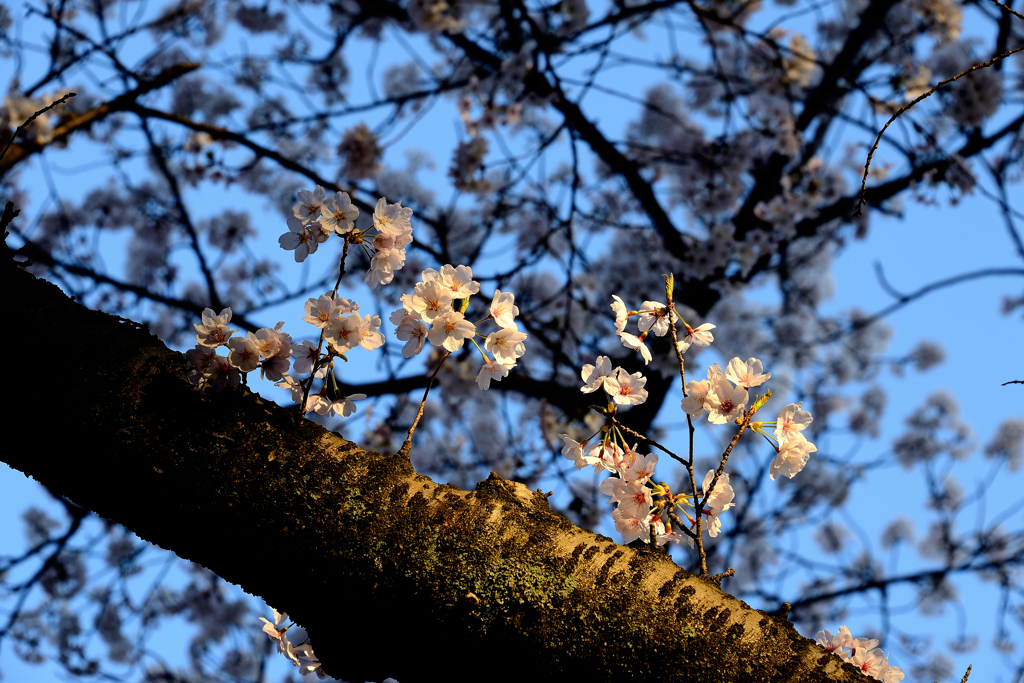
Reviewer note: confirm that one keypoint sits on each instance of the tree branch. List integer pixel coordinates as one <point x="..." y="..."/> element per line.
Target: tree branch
<point x="370" y="557"/>
<point x="85" y="120"/>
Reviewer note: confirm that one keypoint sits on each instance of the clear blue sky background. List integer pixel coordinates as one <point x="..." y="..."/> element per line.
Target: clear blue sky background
<point x="983" y="347"/>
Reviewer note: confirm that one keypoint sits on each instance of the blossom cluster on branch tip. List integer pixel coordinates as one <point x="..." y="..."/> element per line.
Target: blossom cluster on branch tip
<point x="654" y="316"/>
<point x="344" y="329"/>
<point x="792" y="449"/>
<point x="863" y="653"/>
<point x="316" y="217"/>
<point x="433" y="303"/>
<point x="723" y="396"/>
<point x="643" y="508"/>
<point x="622" y="388"/>
<point x="266" y="349"/>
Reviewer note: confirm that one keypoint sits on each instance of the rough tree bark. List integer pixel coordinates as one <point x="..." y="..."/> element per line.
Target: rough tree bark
<point x="391" y="573"/>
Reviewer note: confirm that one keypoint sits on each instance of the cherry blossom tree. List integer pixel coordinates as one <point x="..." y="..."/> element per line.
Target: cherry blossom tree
<point x="220" y="145"/>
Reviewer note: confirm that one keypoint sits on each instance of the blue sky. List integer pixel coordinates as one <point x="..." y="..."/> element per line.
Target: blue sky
<point x="983" y="346"/>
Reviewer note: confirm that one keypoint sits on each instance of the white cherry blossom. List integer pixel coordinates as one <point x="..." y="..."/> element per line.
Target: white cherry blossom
<point x="718" y="502"/>
<point x="344" y="332"/>
<point x="451" y="330"/>
<point x="305" y="354"/>
<point x="791" y="458"/>
<point x="492" y="370"/>
<point x="621" y="314"/>
<point x="343" y="405"/>
<point x="596" y="376"/>
<point x="431" y="299"/>
<point x="506" y="344"/>
<point x="633" y="342"/>
<point x="303" y="238"/>
<point x="318" y="311"/>
<point x="266" y="341"/>
<point x="746" y="374"/>
<point x="308" y="207"/>
<point x="696" y="392"/>
<point x="273" y="368"/>
<point x="413" y="332"/>
<point x="700" y="336"/>
<point x="626" y="389"/>
<point x="632" y="528"/>
<point x="317" y="403"/>
<point x="573" y="451"/>
<point x="244" y="354"/>
<point x="724" y="402"/>
<point x="633" y="500"/>
<point x="715" y="373"/>
<point x="614" y="488"/>
<point x="641" y="469"/>
<point x="391" y="219"/>
<point x="338" y="213"/>
<point x="199" y="357"/>
<point x="291" y="384"/>
<point x="609" y="456"/>
<point x="219" y="373"/>
<point x="892" y="674"/>
<point x="214" y="331"/>
<point x="665" y="535"/>
<point x="457" y="279"/>
<point x="831" y="643"/>
<point x="277" y="627"/>
<point x="792" y="420"/>
<point x="406" y="311"/>
<point x="653" y="316"/>
<point x="868" y="661"/>
<point x="370" y="338"/>
<point x="503" y="309"/>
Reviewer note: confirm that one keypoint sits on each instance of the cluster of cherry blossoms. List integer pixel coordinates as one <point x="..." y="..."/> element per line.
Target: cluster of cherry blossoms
<point x="435" y="312"/>
<point x="433" y="303"/>
<point x="863" y="653"/>
<point x="273" y="352"/>
<point x="316" y="217"/>
<point x="266" y="349"/>
<point x="724" y="397"/>
<point x="643" y="508"/>
<point x="655" y="317"/>
<point x="344" y="329"/>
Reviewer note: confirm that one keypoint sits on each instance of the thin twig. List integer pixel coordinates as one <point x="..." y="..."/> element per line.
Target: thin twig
<point x="1009" y="9"/>
<point x="679" y="523"/>
<point x="669" y="294"/>
<point x="669" y="291"/>
<point x="968" y="672"/>
<point x="904" y="299"/>
<point x="98" y="113"/>
<point x="407" y="446"/>
<point x="33" y="118"/>
<point x="319" y="344"/>
<point x="725" y="459"/>
<point x="867" y="164"/>
<point x="649" y="440"/>
<point x="699" y="505"/>
<point x="717" y="578"/>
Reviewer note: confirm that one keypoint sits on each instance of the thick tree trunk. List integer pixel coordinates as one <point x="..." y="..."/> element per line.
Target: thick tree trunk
<point x="392" y="574"/>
